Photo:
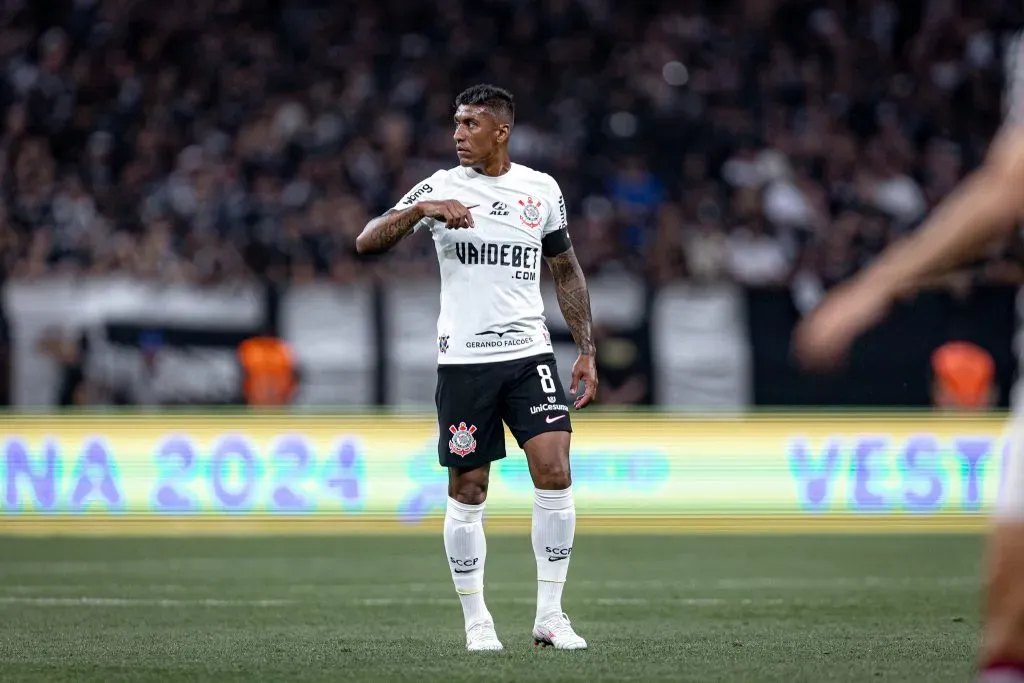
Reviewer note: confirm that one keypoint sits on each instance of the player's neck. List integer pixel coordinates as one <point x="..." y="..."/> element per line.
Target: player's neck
<point x="495" y="166"/>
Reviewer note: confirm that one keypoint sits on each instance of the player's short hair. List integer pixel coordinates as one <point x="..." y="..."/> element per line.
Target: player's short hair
<point x="498" y="100"/>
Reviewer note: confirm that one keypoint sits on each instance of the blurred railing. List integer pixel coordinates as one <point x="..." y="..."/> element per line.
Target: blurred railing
<point x="689" y="347"/>
<point x="362" y="344"/>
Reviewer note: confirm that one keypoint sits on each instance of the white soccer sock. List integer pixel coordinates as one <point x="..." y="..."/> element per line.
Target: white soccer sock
<point x="554" y="526"/>
<point x="466" y="547"/>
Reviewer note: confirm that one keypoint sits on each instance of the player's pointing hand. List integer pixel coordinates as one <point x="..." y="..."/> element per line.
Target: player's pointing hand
<point x="454" y="213"/>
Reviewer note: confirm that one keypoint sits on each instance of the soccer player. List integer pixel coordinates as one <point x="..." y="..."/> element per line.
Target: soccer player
<point x="491" y="221"/>
<point x="986" y="207"/>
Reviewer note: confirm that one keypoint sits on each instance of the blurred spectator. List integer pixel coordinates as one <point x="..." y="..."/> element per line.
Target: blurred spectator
<point x="964" y="377"/>
<point x="705" y="246"/>
<point x="70" y="355"/>
<point x="620" y="367"/>
<point x="754" y="256"/>
<point x="269" y="375"/>
<point x="136" y="386"/>
<point x="636" y="194"/>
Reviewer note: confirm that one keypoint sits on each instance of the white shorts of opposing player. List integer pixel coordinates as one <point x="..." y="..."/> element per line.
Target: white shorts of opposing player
<point x="1010" y="501"/>
<point x="1010" y="498"/>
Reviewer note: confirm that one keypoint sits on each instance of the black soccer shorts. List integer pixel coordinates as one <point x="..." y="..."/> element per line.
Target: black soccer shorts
<point x="473" y="401"/>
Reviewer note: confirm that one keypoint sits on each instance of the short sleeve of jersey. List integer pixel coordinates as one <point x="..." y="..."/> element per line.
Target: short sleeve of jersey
<point x="1014" y="97"/>
<point x="431" y="188"/>
<point x="557" y="219"/>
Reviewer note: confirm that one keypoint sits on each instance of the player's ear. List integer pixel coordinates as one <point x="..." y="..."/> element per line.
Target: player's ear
<point x="504" y="129"/>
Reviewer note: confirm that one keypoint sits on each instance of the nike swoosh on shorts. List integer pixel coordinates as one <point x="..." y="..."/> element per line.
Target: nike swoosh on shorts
<point x="553" y="418"/>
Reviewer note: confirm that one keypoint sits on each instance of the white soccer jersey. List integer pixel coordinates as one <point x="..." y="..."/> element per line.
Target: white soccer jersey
<point x="491" y="306"/>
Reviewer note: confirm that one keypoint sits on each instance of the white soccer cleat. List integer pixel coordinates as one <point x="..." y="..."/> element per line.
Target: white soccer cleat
<point x="480" y="637"/>
<point x="557" y="633"/>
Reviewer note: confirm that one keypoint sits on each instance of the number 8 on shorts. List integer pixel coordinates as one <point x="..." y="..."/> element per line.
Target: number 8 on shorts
<point x="547" y="382"/>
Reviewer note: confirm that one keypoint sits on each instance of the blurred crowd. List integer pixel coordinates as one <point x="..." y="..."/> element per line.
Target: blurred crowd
<point x="768" y="141"/>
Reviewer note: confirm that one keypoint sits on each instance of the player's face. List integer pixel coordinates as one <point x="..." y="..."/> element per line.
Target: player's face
<point x="478" y="134"/>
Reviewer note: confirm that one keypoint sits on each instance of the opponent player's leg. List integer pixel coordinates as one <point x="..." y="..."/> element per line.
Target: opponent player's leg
<point x="537" y="413"/>
<point x="471" y="437"/>
<point x="1003" y="648"/>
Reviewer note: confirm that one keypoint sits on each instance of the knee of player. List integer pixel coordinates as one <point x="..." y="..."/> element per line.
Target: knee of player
<point x="553" y="476"/>
<point x="468" y="492"/>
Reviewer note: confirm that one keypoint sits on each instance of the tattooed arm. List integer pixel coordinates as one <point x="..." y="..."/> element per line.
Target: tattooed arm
<point x="385" y="231"/>
<point x="574" y="300"/>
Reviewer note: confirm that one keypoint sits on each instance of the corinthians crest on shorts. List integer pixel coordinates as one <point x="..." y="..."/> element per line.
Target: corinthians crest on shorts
<point x="462" y="442"/>
<point x="530" y="214"/>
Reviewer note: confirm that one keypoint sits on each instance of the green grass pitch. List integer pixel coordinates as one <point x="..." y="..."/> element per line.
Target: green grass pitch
<point x="381" y="608"/>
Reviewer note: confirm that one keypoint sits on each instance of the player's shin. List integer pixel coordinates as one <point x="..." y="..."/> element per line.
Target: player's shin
<point x="554" y="527"/>
<point x="466" y="547"/>
<point x="1003" y="648"/>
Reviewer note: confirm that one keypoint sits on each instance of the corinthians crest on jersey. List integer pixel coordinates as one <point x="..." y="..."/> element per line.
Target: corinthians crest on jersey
<point x="530" y="214"/>
<point x="462" y="442"/>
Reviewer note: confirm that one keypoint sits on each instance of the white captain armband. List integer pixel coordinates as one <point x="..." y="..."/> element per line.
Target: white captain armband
<point x="555" y="243"/>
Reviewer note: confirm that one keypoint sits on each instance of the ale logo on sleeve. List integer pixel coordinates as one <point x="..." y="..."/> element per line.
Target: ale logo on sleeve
<point x="462" y="442"/>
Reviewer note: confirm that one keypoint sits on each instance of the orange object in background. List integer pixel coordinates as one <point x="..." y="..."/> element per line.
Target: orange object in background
<point x="269" y="377"/>
<point x="964" y="376"/>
